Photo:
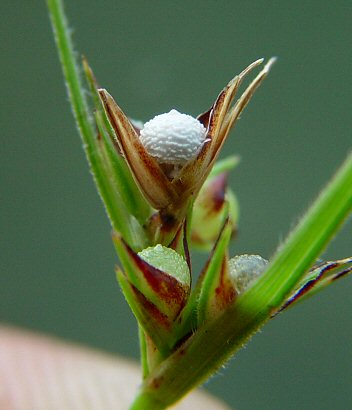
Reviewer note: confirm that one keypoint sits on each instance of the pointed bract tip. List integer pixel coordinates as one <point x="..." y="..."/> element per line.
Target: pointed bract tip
<point x="103" y="93"/>
<point x="269" y="64"/>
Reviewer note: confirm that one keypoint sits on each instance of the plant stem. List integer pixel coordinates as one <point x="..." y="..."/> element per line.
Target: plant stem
<point x="213" y="343"/>
<point x="143" y="352"/>
<point x="116" y="210"/>
<point x="70" y="69"/>
<point x="147" y="402"/>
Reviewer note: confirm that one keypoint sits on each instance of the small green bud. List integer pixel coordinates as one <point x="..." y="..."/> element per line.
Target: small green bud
<point x="214" y="203"/>
<point x="168" y="261"/>
<point x="156" y="284"/>
<point x="245" y="269"/>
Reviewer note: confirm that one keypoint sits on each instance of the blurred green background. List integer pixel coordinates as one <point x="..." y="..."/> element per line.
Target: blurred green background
<point x="57" y="262"/>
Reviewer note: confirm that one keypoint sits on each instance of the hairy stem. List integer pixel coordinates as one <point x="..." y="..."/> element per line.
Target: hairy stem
<point x="117" y="212"/>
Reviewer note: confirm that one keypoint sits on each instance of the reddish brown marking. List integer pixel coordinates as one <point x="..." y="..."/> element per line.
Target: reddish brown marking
<point x="168" y="221"/>
<point x="153" y="311"/>
<point x="182" y="351"/>
<point x="225" y="292"/>
<point x="300" y="292"/>
<point x="343" y="273"/>
<point x="218" y="189"/>
<point x="99" y="137"/>
<point x="156" y="382"/>
<point x="168" y="288"/>
<point x="175" y="243"/>
<point x="185" y="246"/>
<point x="215" y="113"/>
<point x="204" y="117"/>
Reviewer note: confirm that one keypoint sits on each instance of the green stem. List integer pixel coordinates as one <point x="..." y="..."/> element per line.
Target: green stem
<point x="147" y="402"/>
<point x="71" y="73"/>
<point x="213" y="343"/>
<point x="143" y="352"/>
<point x="116" y="210"/>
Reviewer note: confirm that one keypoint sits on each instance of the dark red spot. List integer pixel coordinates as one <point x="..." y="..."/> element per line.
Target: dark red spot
<point x="156" y="382"/>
